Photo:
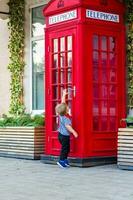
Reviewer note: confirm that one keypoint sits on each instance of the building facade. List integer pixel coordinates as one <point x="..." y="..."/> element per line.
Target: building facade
<point x="34" y="58"/>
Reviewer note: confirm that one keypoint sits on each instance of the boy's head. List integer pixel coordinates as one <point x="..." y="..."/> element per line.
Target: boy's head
<point x="61" y="109"/>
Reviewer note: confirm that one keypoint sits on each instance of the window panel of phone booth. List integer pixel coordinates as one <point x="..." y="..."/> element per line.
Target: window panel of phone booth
<point x="105" y="80"/>
<point x="61" y="48"/>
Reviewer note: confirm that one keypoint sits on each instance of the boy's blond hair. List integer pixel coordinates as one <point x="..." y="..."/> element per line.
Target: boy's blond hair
<point x="61" y="109"/>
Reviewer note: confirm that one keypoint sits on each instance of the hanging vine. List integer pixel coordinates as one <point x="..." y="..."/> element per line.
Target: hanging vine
<point x="16" y="48"/>
<point x="129" y="19"/>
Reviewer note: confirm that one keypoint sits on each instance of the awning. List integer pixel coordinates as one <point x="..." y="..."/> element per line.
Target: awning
<point x="4" y="9"/>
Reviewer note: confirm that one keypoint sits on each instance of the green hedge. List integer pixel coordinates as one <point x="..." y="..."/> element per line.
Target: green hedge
<point x="24" y="120"/>
<point x="129" y="21"/>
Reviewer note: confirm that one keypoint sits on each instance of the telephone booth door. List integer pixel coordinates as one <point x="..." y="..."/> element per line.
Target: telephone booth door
<point x="61" y="64"/>
<point x="105" y="81"/>
<point x="107" y="72"/>
<point x="85" y="53"/>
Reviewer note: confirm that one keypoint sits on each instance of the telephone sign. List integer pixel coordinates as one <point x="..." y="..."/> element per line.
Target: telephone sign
<point x="102" y="16"/>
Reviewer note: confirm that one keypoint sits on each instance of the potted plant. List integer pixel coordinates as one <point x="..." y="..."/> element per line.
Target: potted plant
<point x="22" y="136"/>
<point x="127" y="122"/>
<point x="125" y="144"/>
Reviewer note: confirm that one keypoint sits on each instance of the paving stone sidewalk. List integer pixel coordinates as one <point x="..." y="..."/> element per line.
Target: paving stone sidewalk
<point x="33" y="180"/>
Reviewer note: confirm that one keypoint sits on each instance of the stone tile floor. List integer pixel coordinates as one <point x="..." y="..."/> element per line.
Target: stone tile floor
<point x="33" y="180"/>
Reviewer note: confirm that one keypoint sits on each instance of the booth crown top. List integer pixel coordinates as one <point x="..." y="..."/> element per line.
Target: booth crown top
<point x="57" y="6"/>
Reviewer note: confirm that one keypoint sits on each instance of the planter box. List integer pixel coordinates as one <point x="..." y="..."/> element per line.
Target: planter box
<point x="22" y="142"/>
<point x="125" y="148"/>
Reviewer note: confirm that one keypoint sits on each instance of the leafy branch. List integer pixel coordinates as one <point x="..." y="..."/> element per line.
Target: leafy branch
<point x="16" y="48"/>
<point x="129" y="20"/>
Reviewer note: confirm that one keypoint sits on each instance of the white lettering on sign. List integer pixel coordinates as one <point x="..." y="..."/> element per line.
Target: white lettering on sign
<point x="63" y="17"/>
<point x="102" y="16"/>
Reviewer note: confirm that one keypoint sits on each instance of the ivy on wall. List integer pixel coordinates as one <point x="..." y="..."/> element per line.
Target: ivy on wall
<point x="129" y="4"/>
<point x="16" y="48"/>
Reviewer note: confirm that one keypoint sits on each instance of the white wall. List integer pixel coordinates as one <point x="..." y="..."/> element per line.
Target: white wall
<point x="4" y="72"/>
<point x="27" y="74"/>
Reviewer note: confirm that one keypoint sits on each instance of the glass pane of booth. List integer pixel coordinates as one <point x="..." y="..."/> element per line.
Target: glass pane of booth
<point x="104" y="75"/>
<point x="96" y="106"/>
<point x="62" y="61"/>
<point x="55" y="45"/>
<point x="69" y="76"/>
<point x="104" y="60"/>
<point x="112" y="44"/>
<point x="69" y="43"/>
<point x="95" y="59"/>
<point x="55" y="62"/>
<point x="112" y="59"/>
<point x="95" y="42"/>
<point x="104" y="43"/>
<point x="62" y="44"/>
<point x="104" y="91"/>
<point x="62" y="76"/>
<point x="70" y="93"/>
<point x="104" y="83"/>
<point x="69" y="61"/>
<point x="104" y="107"/>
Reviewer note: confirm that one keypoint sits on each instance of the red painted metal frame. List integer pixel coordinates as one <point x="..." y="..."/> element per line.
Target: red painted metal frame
<point x="90" y="143"/>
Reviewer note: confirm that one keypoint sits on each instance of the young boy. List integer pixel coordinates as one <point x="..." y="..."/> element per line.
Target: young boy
<point x="64" y="130"/>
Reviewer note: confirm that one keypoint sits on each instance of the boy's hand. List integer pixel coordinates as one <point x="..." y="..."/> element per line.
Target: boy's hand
<point x="75" y="134"/>
<point x="71" y="130"/>
<point x="65" y="92"/>
<point x="63" y="99"/>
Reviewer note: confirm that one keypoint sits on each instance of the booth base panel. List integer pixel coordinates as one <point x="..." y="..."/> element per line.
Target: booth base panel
<point x="81" y="162"/>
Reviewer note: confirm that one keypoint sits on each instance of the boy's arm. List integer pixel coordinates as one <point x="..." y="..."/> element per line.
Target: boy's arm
<point x="70" y="129"/>
<point x="63" y="99"/>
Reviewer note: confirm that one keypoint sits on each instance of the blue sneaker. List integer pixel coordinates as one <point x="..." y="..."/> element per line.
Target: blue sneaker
<point x="66" y="163"/>
<point x="61" y="163"/>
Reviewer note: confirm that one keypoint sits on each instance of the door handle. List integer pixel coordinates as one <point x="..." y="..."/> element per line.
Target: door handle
<point x="74" y="90"/>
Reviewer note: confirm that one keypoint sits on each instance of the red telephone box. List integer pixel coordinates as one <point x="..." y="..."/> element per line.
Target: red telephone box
<point x="85" y="53"/>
